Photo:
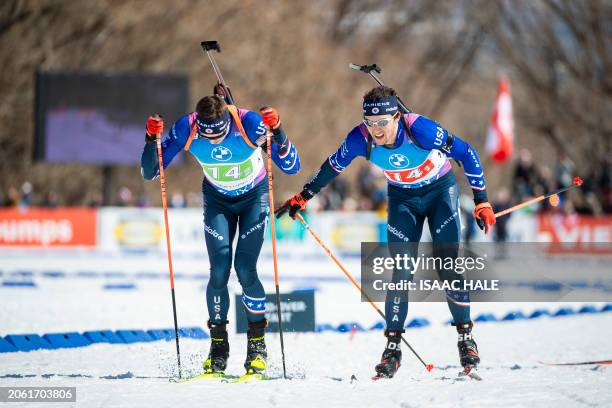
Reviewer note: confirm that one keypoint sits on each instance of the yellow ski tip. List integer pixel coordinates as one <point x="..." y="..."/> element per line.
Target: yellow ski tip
<point x="250" y="377"/>
<point x="205" y="376"/>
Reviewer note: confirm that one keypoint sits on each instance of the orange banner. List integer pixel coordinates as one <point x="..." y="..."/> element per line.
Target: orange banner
<point x="576" y="233"/>
<point x="48" y="227"/>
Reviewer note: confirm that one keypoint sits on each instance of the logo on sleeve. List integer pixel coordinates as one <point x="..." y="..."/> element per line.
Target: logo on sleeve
<point x="261" y="129"/>
<point x="221" y="153"/>
<point x="439" y="136"/>
<point x="398" y="161"/>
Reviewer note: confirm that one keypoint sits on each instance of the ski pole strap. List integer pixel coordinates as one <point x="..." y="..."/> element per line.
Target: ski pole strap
<point x="234" y="112"/>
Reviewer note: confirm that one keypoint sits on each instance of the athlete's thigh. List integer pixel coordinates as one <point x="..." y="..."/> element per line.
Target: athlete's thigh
<point x="404" y="222"/>
<point x="444" y="222"/>
<point x="404" y="228"/>
<point x="219" y="230"/>
<point x="252" y="222"/>
<point x="443" y="216"/>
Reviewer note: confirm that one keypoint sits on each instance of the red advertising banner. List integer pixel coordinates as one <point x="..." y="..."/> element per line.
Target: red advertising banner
<point x="48" y="227"/>
<point x="576" y="233"/>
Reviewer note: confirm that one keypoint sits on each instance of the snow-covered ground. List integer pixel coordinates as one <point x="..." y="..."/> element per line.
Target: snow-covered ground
<point x="320" y="364"/>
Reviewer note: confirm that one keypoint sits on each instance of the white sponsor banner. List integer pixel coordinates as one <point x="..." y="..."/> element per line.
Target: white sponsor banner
<point x="121" y="228"/>
<point x="345" y="231"/>
<point x="143" y="229"/>
<point x="137" y="229"/>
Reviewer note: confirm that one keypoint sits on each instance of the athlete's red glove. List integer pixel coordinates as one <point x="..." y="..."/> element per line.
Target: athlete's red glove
<point x="293" y="205"/>
<point x="484" y="216"/>
<point x="270" y="117"/>
<point x="155" y="125"/>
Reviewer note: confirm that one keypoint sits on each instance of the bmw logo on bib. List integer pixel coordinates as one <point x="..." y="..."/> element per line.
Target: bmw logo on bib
<point x="221" y="153"/>
<point x="398" y="161"/>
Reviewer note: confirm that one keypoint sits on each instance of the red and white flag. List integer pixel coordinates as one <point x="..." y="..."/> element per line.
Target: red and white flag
<point x="500" y="138"/>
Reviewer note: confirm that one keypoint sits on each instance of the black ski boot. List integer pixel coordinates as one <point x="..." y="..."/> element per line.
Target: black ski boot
<point x="256" y="348"/>
<point x="219" y="349"/>
<point x="391" y="357"/>
<point x="468" y="351"/>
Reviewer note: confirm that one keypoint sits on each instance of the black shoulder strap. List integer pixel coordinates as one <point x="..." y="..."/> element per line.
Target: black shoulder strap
<point x="368" y="139"/>
<point x="368" y="147"/>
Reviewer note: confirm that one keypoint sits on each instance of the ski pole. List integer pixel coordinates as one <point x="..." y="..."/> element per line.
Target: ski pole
<point x="162" y="178"/>
<point x="577" y="182"/>
<point x="275" y="260"/>
<point x="428" y="367"/>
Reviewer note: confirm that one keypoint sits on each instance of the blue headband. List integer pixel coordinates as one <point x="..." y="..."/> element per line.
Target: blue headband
<point x="217" y="126"/>
<point x="382" y="106"/>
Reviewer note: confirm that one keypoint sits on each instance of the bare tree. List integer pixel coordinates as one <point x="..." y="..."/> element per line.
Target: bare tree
<point x="560" y="53"/>
<point x="443" y="56"/>
<point x="435" y="44"/>
<point x="557" y="51"/>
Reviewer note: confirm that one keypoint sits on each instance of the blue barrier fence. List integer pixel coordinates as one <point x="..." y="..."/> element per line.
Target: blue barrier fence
<point x="29" y="276"/>
<point x="483" y="318"/>
<point x="53" y="341"/>
<point x="20" y="278"/>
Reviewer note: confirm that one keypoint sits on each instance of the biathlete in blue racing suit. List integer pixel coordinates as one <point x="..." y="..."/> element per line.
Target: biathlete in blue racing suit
<point x="414" y="157"/>
<point x="226" y="142"/>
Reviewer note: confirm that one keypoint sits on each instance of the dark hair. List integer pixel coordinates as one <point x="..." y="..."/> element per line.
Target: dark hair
<point x="379" y="92"/>
<point x="211" y="107"/>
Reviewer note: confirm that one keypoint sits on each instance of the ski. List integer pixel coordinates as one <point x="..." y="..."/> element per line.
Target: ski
<point x="251" y="377"/>
<point x="208" y="376"/>
<point x="469" y="372"/>
<point x="381" y="376"/>
<point x="601" y="362"/>
<point x="354" y="379"/>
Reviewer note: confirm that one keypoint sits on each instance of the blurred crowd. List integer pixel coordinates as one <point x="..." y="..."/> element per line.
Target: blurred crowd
<point x="25" y="197"/>
<point x="369" y="192"/>
<point x="531" y="180"/>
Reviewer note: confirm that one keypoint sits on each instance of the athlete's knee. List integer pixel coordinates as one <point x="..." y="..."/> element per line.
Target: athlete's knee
<point x="221" y="262"/>
<point x="245" y="265"/>
<point x="460" y="298"/>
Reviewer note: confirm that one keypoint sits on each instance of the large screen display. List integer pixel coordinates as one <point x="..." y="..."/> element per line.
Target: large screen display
<point x="99" y="118"/>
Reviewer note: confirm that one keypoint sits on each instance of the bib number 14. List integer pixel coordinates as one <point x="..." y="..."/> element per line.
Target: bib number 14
<point x="229" y="172"/>
<point x="233" y="172"/>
